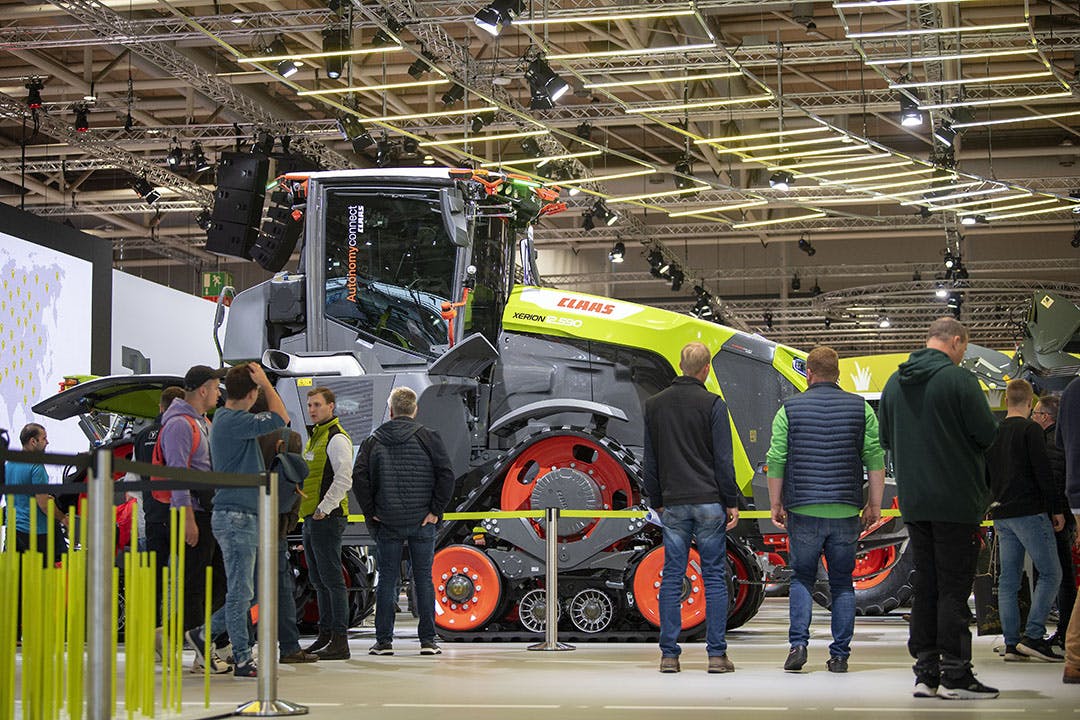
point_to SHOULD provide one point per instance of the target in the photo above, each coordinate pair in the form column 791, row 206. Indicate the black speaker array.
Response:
column 238, row 202
column 279, row 233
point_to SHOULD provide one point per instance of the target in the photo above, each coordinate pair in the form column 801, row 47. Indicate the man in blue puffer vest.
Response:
column 821, row 440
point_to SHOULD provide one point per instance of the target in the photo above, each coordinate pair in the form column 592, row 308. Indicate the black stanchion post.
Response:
column 551, row 582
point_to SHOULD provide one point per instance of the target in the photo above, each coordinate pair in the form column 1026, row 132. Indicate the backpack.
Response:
column 158, row 457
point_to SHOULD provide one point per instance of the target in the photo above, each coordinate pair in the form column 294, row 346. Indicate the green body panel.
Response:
column 547, row 311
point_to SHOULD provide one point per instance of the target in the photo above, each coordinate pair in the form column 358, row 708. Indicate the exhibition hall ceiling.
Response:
column 811, row 166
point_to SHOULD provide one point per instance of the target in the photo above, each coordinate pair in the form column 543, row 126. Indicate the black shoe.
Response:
column 430, row 648
column 796, row 658
column 1012, row 654
column 336, row 649
column 298, row 657
column 1038, row 649
column 320, row 642
column 836, row 664
column 197, row 640
column 965, row 687
column 927, row 679
column 1057, row 640
column 381, row 649
column 247, row 670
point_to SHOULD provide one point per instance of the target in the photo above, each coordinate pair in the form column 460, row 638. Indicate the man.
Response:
column 324, row 510
column 1026, row 513
column 235, row 520
column 1068, row 439
column 34, row 438
column 821, row 440
column 184, row 439
column 690, row 479
column 936, row 422
column 403, row 481
column 1045, row 414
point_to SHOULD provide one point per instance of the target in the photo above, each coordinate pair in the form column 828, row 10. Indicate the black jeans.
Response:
column 22, row 544
column 157, row 542
column 1067, row 592
column 196, row 560
column 945, row 556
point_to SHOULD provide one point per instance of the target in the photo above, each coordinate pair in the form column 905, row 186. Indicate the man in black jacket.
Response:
column 690, row 479
column 1026, row 512
column 403, row 480
column 1045, row 414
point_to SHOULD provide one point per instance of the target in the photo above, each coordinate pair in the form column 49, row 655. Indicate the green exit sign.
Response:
column 212, row 282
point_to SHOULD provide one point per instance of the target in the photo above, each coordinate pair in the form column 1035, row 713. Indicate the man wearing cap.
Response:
column 184, row 438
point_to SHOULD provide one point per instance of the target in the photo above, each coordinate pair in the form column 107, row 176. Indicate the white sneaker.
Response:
column 217, row 665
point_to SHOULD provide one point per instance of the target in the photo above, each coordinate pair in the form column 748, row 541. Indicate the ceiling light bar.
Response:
column 880, row 166
column 311, row 55
column 543, row 159
column 602, row 178
column 661, row 81
column 937, row 31
column 700, row 104
column 632, row 52
column 719, row 208
column 777, row 221
column 970, row 81
column 957, row 186
column 968, row 203
column 997, row 101
column 906, row 183
column 875, row 178
column 800, row 167
column 957, row 56
column 773, row 146
column 440, row 113
column 1013, row 206
column 889, row 3
column 663, row 193
column 374, row 88
column 758, row 136
column 1031, row 212
column 959, row 196
column 605, row 17
column 483, row 138
column 1025, row 118
column 810, row 153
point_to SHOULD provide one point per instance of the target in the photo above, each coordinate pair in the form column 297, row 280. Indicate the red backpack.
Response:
column 158, row 458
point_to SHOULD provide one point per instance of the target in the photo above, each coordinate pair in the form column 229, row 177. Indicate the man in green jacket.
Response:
column 936, row 421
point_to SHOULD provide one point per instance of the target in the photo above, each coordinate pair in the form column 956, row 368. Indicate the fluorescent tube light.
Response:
column 719, row 208
column 602, row 178
column 661, row 194
column 1023, row 118
column 875, row 178
column 966, row 203
column 758, row 136
column 374, row 88
column 1012, row 206
column 810, row 153
column 661, row 81
column 937, row 31
column 544, row 159
column 483, row 138
column 777, row 221
column 1025, row 213
column 773, row 146
column 699, row 104
column 604, row 17
column 632, row 52
column 880, row 166
column 440, row 113
column 997, row 101
column 311, row 55
column 958, row 56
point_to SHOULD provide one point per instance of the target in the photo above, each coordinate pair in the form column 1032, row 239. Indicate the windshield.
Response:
column 389, row 265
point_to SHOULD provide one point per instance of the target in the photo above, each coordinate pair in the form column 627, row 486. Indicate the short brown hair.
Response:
column 1050, row 405
column 1018, row 393
column 402, row 402
column 327, row 394
column 238, row 382
column 946, row 328
column 30, row 431
column 168, row 395
column 694, row 358
column 824, row 362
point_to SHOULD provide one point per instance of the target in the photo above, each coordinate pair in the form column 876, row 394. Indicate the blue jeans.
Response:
column 388, row 544
column 237, row 534
column 322, row 546
column 808, row 538
column 706, row 524
column 288, row 632
column 1035, row 534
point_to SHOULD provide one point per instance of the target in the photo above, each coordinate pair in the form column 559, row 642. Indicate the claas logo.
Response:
column 586, row 305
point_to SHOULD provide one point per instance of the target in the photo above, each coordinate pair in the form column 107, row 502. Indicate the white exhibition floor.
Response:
column 480, row 681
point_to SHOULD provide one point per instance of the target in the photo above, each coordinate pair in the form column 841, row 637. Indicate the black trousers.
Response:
column 1067, row 592
column 157, row 542
column 945, row 556
column 60, row 546
column 196, row 560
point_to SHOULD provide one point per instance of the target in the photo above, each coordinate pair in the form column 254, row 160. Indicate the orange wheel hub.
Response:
column 468, row 588
column 647, row 588
column 870, row 567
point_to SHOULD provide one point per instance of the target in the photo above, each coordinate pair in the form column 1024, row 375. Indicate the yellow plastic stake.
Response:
column 115, row 628
column 179, row 648
column 206, row 634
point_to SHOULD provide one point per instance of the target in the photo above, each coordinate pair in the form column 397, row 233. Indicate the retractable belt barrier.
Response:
column 99, row 488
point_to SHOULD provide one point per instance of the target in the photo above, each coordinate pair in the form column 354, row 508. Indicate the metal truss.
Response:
column 162, row 206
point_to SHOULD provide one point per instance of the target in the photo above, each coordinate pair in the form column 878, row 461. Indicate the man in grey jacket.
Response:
column 403, row 480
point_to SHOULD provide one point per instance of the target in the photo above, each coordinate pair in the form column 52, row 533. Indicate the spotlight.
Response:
column 816, row 290
column 656, row 260
column 684, row 167
column 974, row 220
column 354, row 131
column 828, row 323
column 198, row 158
column 82, row 118
column 796, row 283
column 34, row 86
column 703, row 305
column 410, row 146
column 950, row 260
column 945, row 134
column 910, row 114
column 429, row 160
column 335, row 40
column 497, row 15
column 677, row 277
column 203, row 219
column 884, row 322
column 806, row 247
column 129, row 122
column 418, row 68
column 453, row 95
column 285, row 67
column 145, row 190
column 382, row 39
column 618, row 252
column 1076, row 239
column 587, row 222
column 584, row 131
column 175, row 157
column 263, row 143
column 781, row 180
column 924, row 213
column 91, row 94
column 916, row 276
column 940, row 291
column 603, row 214
column 545, row 86
column 768, row 320
column 385, row 153
column 954, row 303
column 477, row 124
column 531, row 147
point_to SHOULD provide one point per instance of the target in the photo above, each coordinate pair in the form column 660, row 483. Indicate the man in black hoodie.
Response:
column 403, row 480
column 935, row 420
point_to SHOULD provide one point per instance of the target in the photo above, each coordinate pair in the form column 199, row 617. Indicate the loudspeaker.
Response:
column 278, row 238
column 243, row 171
column 237, row 206
column 229, row 238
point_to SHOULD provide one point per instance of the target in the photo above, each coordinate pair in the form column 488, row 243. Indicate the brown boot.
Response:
column 1071, row 676
column 320, row 642
column 336, row 649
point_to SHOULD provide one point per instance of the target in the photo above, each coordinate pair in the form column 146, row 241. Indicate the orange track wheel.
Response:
column 647, row 589
column 468, row 588
column 874, row 567
column 604, row 483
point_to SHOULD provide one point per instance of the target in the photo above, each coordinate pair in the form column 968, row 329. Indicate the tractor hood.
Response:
column 135, row 396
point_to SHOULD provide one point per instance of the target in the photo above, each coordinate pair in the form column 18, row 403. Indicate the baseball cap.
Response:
column 199, row 374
